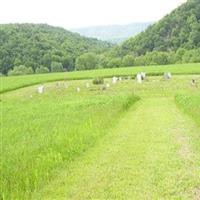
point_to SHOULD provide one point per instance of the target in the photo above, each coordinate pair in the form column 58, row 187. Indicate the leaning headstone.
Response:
column 78, row 89
column 41, row 89
column 139, row 78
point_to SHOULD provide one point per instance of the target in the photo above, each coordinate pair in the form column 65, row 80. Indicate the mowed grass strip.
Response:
column 139, row 159
column 39, row 134
column 16, row 82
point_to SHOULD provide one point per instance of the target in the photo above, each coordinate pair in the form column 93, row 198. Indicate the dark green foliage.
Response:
column 86, row 61
column 98, row 81
column 40, row 45
column 56, row 67
column 180, row 29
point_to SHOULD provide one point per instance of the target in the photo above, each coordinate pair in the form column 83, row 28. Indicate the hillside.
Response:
column 35, row 45
column 113, row 33
column 180, row 29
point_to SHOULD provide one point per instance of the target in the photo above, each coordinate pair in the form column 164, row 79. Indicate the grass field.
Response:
column 131, row 141
column 16, row 82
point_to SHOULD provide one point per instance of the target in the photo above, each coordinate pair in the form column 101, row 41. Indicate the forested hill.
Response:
column 180, row 29
column 35, row 45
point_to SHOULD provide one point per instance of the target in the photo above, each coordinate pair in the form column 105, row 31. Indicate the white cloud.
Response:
column 80, row 13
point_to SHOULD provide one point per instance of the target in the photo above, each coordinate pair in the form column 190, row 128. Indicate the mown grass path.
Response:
column 150, row 154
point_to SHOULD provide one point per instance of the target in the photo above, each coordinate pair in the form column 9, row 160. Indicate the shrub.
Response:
column 98, row 81
column 20, row 70
column 42, row 70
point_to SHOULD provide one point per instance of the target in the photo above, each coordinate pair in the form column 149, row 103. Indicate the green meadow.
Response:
column 16, row 82
column 127, row 141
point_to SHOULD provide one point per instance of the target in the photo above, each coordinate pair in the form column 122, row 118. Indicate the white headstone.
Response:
column 129, row 78
column 87, row 85
column 120, row 78
column 41, row 89
column 167, row 75
column 107, row 85
column 139, row 78
column 114, row 80
column 143, row 75
column 66, row 86
column 78, row 89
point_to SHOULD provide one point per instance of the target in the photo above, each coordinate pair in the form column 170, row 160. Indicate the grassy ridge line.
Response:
column 17, row 82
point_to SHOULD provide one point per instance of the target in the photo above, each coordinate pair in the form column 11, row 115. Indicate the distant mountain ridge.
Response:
column 113, row 33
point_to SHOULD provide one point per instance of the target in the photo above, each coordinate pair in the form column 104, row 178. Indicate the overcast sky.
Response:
column 82, row 13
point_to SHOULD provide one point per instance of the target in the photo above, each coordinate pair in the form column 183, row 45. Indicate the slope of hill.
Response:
column 180, row 29
column 113, row 33
column 36, row 45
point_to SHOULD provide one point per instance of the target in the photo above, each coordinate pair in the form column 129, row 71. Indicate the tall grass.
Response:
column 190, row 104
column 16, row 82
column 41, row 134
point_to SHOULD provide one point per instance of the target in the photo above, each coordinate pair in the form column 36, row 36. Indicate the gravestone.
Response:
column 167, row 75
column 114, row 80
column 107, row 85
column 66, row 86
column 143, row 75
column 87, row 85
column 78, row 89
column 139, row 78
column 41, row 89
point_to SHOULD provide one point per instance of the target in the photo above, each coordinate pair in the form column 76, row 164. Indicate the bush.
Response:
column 42, row 70
column 20, row 70
column 56, row 67
column 98, row 81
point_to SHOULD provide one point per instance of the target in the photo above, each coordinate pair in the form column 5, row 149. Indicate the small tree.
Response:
column 56, row 67
column 128, row 60
column 86, row 61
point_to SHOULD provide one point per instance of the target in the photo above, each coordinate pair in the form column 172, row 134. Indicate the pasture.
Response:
column 129, row 141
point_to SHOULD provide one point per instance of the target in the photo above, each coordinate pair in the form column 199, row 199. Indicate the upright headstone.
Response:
column 87, row 85
column 78, row 89
column 120, row 78
column 143, row 75
column 167, row 75
column 66, row 85
column 107, row 85
column 41, row 89
column 114, row 80
column 139, row 78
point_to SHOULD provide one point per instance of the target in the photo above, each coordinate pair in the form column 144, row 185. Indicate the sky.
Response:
column 83, row 13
